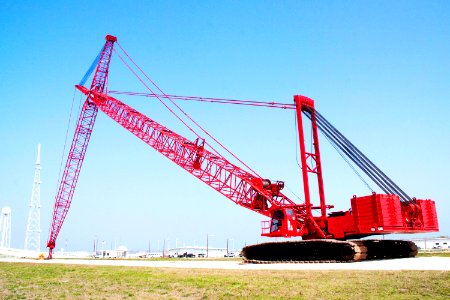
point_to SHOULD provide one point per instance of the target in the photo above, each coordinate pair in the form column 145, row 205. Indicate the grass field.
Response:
column 28, row 281
column 433, row 254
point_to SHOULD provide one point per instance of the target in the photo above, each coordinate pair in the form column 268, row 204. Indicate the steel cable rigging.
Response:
column 354, row 154
column 165, row 96
column 341, row 144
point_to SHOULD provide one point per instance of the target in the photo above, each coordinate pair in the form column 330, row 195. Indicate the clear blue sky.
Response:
column 378, row 70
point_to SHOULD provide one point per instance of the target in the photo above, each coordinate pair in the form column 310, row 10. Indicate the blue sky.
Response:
column 378, row 70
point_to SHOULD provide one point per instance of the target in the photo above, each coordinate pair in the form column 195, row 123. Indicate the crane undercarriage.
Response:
column 330, row 250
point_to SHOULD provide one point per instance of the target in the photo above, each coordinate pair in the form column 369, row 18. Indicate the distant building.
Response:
column 121, row 252
column 196, row 252
column 433, row 243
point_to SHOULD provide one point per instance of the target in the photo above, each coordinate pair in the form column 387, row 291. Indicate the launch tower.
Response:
column 33, row 234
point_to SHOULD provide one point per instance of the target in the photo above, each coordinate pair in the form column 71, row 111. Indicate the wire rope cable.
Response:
column 270, row 104
column 69, row 121
column 340, row 142
column 182, row 111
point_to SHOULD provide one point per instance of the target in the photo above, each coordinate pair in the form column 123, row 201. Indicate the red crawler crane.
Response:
column 393, row 212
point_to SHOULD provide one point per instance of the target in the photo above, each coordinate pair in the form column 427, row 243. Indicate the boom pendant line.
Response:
column 231, row 181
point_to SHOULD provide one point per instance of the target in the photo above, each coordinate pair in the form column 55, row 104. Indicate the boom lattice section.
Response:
column 79, row 145
column 231, row 181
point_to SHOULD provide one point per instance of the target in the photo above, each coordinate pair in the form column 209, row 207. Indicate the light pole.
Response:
column 207, row 243
column 176, row 247
column 164, row 247
column 103, row 249
column 228, row 252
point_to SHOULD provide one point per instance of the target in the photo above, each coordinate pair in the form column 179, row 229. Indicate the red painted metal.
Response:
column 377, row 212
column 260, row 195
column 241, row 187
column 79, row 145
column 429, row 217
column 370, row 215
column 271, row 104
column 373, row 214
column 311, row 163
column 380, row 214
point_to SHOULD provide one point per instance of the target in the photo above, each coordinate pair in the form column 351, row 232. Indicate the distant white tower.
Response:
column 33, row 234
column 5, row 228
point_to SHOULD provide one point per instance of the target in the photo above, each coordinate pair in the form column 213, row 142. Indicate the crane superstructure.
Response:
column 393, row 212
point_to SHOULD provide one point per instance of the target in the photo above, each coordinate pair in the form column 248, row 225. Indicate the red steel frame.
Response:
column 384, row 213
column 231, row 181
column 79, row 145
column 315, row 165
column 243, row 188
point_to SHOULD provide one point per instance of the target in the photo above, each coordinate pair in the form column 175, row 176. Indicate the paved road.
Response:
column 421, row 263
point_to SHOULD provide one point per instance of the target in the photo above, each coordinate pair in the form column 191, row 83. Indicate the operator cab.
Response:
column 277, row 221
column 282, row 224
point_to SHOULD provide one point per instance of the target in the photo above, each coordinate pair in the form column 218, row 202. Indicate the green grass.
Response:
column 179, row 259
column 55, row 281
column 433, row 254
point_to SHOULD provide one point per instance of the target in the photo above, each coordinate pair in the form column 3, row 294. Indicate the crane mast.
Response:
column 79, row 145
column 315, row 165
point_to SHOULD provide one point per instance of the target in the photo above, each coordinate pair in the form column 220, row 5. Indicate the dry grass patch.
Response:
column 27, row 281
column 434, row 254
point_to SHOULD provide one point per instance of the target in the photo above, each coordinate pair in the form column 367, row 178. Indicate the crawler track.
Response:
column 327, row 251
